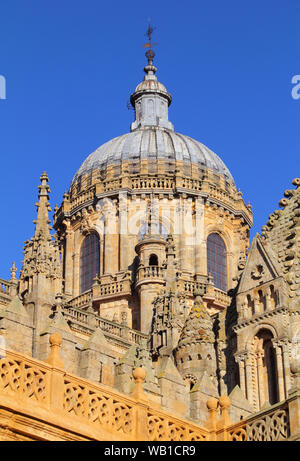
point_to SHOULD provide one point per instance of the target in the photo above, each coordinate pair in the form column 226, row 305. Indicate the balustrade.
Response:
column 4, row 287
column 45, row 391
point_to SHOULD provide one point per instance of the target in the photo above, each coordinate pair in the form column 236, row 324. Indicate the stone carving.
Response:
column 258, row 272
column 161, row 429
column 270, row 428
column 169, row 314
column 97, row 408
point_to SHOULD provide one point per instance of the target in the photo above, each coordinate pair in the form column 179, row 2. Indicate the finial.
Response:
column 139, row 375
column 54, row 356
column 224, row 402
column 150, row 54
column 13, row 271
column 44, row 177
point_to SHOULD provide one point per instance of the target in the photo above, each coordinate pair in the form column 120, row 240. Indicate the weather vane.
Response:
column 149, row 53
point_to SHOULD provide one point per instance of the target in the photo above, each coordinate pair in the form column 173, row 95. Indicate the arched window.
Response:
column 216, row 261
column 89, row 261
column 268, row 370
column 153, row 260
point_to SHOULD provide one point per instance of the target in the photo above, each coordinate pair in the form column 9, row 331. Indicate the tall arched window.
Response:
column 89, row 261
column 216, row 261
column 268, row 371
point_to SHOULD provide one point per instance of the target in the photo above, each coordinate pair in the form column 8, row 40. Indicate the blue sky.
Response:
column 70, row 66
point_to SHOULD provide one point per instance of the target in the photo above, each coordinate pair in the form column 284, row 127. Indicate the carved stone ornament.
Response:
column 258, row 272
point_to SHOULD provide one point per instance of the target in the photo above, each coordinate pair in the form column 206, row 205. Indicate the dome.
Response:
column 154, row 143
column 151, row 85
column 152, row 138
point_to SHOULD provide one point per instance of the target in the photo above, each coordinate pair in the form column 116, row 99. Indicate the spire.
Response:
column 41, row 253
column 150, row 98
column 42, row 222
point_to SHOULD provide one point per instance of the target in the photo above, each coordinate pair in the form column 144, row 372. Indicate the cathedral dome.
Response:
column 152, row 140
column 154, row 143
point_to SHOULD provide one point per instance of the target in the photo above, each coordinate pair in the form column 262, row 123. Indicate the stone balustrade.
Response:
column 209, row 292
column 51, row 404
column 75, row 314
column 4, row 287
column 112, row 289
column 60, row 406
column 151, row 273
column 152, row 182
column 82, row 198
column 81, row 300
column 89, row 321
column 221, row 297
column 5, row 292
column 271, row 425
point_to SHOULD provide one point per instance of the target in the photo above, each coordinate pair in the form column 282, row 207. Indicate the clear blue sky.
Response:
column 70, row 66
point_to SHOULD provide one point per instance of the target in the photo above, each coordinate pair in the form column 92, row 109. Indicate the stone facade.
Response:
column 150, row 268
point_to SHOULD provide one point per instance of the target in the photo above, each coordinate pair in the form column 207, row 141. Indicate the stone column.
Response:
column 123, row 231
column 260, row 378
column 101, row 255
column 286, row 367
column 256, row 303
column 241, row 364
column 268, row 299
column 188, row 236
column 110, row 239
column 76, row 272
column 200, row 244
column 280, row 378
column 248, row 367
column 68, row 272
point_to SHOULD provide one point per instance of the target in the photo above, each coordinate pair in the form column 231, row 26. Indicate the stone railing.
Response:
column 152, row 182
column 5, row 292
column 82, row 197
column 87, row 322
column 113, row 184
column 162, row 428
column 4, row 287
column 271, row 425
column 112, row 289
column 150, row 272
column 102, row 291
column 48, row 403
column 75, row 314
column 189, row 286
column 209, row 292
column 81, row 300
column 41, row 401
column 188, row 183
column 122, row 331
column 221, row 297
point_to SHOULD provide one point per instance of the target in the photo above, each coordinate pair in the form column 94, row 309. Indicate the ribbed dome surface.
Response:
column 153, row 143
column 151, row 85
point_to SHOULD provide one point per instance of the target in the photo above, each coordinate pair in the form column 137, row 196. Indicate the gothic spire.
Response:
column 41, row 253
column 42, row 223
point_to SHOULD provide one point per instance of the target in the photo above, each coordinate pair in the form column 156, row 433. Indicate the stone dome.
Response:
column 152, row 138
column 154, row 143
